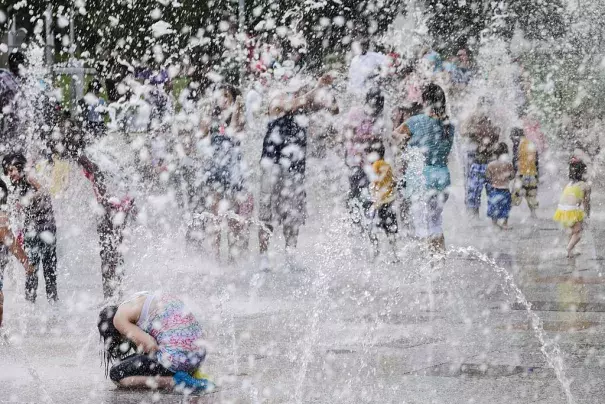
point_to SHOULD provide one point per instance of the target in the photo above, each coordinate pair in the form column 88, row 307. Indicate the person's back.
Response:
column 434, row 139
column 175, row 329
column 500, row 173
column 527, row 161
column 286, row 142
column 39, row 216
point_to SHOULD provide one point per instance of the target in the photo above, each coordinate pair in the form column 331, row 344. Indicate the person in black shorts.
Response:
column 283, row 165
column 40, row 229
column 383, row 194
column 224, row 185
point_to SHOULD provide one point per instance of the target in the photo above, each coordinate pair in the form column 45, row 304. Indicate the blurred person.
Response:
column 162, row 104
column 225, row 188
column 485, row 138
column 526, row 165
column 9, row 87
column 12, row 101
column 157, row 343
column 39, row 227
column 398, row 117
column 94, row 110
column 365, row 67
column 428, row 138
column 283, row 165
column 17, row 64
column 574, row 204
column 112, row 183
column 364, row 128
column 383, row 194
column 9, row 243
column 499, row 174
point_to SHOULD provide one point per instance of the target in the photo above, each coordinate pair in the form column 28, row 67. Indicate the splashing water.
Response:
column 550, row 349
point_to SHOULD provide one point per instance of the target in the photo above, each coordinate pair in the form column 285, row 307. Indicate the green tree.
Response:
column 456, row 23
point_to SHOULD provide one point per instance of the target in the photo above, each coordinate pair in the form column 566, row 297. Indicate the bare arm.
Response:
column 402, row 135
column 237, row 120
column 13, row 245
column 205, row 127
column 284, row 106
column 587, row 201
column 34, row 182
column 125, row 322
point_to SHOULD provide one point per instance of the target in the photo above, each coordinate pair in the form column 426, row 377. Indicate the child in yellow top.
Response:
column 382, row 192
column 574, row 205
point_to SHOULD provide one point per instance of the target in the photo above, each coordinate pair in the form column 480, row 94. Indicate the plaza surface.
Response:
column 337, row 328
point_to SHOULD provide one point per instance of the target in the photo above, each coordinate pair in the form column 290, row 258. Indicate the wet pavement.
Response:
column 336, row 328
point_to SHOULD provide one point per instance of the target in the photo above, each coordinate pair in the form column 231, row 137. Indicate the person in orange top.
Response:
column 525, row 161
column 383, row 194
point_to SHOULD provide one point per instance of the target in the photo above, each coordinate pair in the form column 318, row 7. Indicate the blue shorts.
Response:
column 474, row 186
column 499, row 202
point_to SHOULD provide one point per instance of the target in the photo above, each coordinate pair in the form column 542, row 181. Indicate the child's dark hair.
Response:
column 376, row 147
column 116, row 346
column 233, row 92
column 433, row 97
column 3, row 193
column 516, row 133
column 577, row 170
column 15, row 159
column 501, row 149
column 375, row 99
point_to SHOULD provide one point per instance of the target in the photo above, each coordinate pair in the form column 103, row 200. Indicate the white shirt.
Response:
column 364, row 66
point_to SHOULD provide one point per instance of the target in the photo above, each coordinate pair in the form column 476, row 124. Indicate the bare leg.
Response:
column 263, row 237
column 237, row 238
column 574, row 239
column 374, row 242
column 215, row 228
column 291, row 235
column 495, row 222
column 393, row 244
column 1, row 306
column 147, row 382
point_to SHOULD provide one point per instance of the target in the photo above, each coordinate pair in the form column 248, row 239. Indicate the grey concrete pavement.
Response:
column 344, row 329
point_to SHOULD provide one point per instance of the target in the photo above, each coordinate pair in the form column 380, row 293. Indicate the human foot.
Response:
column 186, row 383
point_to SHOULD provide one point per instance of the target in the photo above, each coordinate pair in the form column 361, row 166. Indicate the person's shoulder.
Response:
column 414, row 120
column 4, row 221
column 493, row 165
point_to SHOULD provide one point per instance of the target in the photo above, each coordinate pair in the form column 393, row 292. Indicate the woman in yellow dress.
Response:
column 574, row 204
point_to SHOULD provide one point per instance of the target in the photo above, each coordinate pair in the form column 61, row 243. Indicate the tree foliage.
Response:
column 125, row 28
column 456, row 23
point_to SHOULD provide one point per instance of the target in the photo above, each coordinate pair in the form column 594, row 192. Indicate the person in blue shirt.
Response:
column 94, row 111
column 427, row 139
